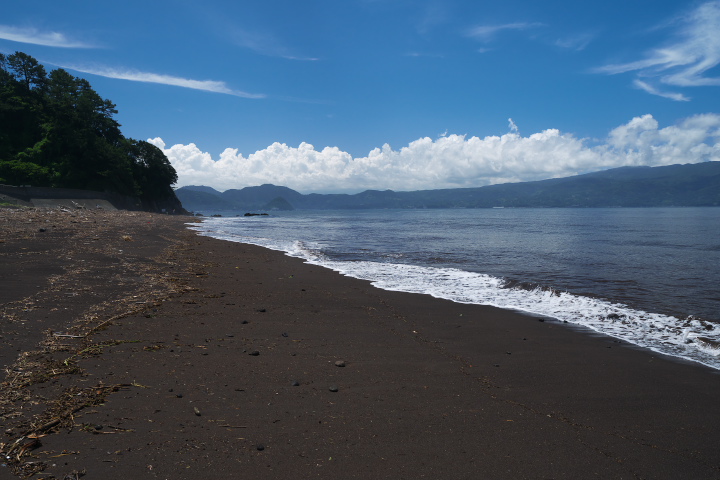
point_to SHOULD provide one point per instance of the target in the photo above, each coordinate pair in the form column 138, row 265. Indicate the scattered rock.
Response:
column 261, row 310
column 179, row 395
column 541, row 319
column 260, row 447
column 197, row 411
column 340, row 363
column 333, row 388
column 284, row 334
column 42, row 230
column 254, row 353
column 295, row 383
column 245, row 322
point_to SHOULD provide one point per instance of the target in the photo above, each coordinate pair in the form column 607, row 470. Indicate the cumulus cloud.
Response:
column 451, row 161
column 147, row 77
column 36, row 37
column 683, row 62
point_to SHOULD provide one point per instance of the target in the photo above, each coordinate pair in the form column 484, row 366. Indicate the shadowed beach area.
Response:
column 134, row 348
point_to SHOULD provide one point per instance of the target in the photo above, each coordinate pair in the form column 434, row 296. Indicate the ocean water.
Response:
column 650, row 277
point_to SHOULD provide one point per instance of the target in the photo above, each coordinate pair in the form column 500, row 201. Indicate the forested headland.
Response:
column 56, row 131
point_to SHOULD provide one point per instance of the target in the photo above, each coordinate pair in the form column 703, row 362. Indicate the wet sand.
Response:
column 134, row 348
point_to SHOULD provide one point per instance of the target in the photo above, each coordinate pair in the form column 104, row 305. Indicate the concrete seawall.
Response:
column 63, row 197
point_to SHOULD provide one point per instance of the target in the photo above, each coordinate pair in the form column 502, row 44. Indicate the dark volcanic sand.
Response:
column 172, row 388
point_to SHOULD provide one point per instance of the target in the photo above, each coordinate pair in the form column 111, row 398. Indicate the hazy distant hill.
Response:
column 203, row 199
column 674, row 185
column 202, row 188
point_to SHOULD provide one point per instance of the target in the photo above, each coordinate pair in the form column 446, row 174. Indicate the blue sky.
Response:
column 354, row 94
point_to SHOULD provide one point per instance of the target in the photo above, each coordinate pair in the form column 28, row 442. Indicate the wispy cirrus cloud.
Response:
column 682, row 62
column 575, row 42
column 265, row 44
column 147, row 77
column 37, row 37
column 488, row 32
column 678, row 97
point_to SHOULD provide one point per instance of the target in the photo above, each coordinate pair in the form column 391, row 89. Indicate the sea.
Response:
column 647, row 276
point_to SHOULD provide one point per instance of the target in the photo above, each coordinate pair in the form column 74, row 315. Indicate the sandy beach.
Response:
column 134, row 348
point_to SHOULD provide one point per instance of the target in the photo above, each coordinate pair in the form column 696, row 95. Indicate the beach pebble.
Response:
column 340, row 363
column 333, row 388
column 284, row 334
column 254, row 353
column 541, row 319
column 260, row 447
column 261, row 310
column 244, row 322
column 197, row 411
column 295, row 383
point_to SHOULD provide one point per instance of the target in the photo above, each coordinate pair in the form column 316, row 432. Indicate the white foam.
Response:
column 689, row 338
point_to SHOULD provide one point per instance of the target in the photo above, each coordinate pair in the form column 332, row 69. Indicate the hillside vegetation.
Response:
column 56, row 131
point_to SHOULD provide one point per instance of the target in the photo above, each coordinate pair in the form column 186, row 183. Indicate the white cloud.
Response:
column 685, row 61
column 678, row 97
column 451, row 161
column 576, row 42
column 135, row 76
column 35, row 37
column 487, row 32
column 265, row 44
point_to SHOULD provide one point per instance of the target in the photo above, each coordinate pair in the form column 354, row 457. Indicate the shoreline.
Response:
column 198, row 377
column 645, row 324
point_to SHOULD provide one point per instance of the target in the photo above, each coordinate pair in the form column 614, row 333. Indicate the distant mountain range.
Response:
column 675, row 185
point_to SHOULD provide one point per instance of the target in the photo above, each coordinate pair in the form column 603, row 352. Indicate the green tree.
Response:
column 22, row 82
column 28, row 71
column 55, row 130
column 152, row 170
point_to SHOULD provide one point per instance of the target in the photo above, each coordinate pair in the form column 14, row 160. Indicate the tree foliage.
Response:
column 56, row 131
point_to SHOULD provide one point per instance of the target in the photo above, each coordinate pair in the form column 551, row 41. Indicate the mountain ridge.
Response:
column 672, row 185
